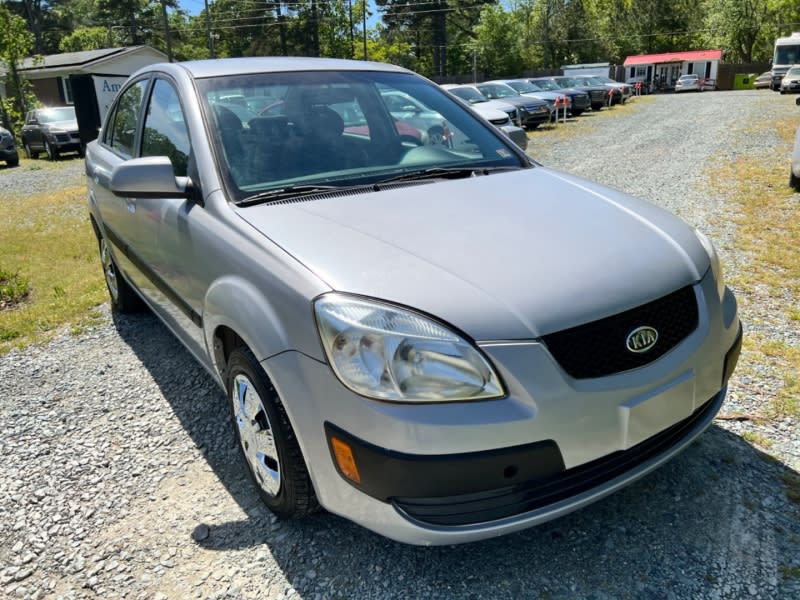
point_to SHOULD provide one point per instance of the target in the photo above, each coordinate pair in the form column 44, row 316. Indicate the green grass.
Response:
column 768, row 233
column 757, row 439
column 48, row 240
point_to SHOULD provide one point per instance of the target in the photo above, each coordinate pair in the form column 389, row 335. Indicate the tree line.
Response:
column 433, row 37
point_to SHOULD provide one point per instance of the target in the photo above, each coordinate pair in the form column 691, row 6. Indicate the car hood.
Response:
column 69, row 125
column 501, row 257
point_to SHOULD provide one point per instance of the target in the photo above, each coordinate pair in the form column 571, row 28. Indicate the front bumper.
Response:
column 549, row 426
column 9, row 153
column 65, row 142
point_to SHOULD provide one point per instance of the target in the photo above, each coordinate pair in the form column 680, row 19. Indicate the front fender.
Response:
column 236, row 303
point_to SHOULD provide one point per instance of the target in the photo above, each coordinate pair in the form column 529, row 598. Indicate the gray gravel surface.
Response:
column 120, row 478
column 41, row 176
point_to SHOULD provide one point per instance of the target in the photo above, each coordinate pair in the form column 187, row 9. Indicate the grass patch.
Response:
column 790, row 571
column 756, row 438
column 48, row 237
column 13, row 289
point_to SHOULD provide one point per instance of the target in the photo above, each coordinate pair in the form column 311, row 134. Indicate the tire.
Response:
column 52, row 153
column 794, row 181
column 266, row 439
column 82, row 151
column 123, row 298
column 577, row 113
column 28, row 152
column 13, row 162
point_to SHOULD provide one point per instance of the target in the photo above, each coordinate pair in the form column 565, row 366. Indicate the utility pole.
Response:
column 166, row 29
column 364, row 26
column 208, row 30
column 350, row 17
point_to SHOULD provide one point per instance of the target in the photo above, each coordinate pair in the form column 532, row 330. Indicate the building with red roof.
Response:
column 662, row 70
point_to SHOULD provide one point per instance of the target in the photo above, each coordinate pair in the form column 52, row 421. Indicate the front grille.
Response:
column 483, row 507
column 62, row 137
column 599, row 348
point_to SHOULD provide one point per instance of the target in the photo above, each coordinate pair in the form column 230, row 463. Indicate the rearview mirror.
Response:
column 148, row 177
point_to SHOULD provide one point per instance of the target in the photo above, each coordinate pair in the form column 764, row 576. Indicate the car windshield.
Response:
column 468, row 94
column 524, row 87
column 52, row 115
column 497, row 90
column 338, row 129
column 547, row 84
column 793, row 71
column 786, row 55
column 569, row 82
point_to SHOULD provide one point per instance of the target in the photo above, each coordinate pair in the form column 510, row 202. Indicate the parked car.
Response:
column 8, row 148
column 598, row 94
column 791, row 81
column 794, row 169
column 52, row 131
column 763, row 81
column 532, row 112
column 688, row 83
column 625, row 88
column 471, row 95
column 523, row 87
column 587, row 83
column 437, row 343
column 578, row 99
column 501, row 115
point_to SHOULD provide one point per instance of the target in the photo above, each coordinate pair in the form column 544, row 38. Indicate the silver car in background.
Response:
column 441, row 343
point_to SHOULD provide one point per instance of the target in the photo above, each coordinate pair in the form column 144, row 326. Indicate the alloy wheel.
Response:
column 256, row 435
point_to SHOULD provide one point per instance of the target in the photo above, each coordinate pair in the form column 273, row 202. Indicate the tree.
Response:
column 84, row 38
column 15, row 44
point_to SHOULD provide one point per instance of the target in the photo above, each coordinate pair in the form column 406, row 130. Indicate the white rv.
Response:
column 787, row 53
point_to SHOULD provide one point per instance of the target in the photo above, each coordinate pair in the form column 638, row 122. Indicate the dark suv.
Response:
column 8, row 149
column 52, row 131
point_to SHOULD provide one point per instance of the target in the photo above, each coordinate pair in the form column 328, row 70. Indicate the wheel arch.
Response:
column 237, row 313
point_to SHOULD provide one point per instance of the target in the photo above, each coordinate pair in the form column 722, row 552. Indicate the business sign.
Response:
column 106, row 88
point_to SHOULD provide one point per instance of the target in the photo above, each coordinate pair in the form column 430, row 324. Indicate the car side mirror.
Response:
column 148, row 177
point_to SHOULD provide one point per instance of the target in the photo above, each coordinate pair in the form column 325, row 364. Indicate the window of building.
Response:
column 66, row 88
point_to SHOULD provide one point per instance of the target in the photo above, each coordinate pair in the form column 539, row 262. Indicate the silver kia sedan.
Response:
column 442, row 343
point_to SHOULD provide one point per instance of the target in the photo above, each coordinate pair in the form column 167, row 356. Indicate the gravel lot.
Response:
column 120, row 479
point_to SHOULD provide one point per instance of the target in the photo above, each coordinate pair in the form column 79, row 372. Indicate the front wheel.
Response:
column 52, row 153
column 794, row 180
column 266, row 439
column 12, row 162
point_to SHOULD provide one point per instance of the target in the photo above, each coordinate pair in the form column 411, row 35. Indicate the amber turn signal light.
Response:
column 345, row 459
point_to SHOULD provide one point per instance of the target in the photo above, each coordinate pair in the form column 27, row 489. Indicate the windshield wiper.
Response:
column 291, row 191
column 444, row 173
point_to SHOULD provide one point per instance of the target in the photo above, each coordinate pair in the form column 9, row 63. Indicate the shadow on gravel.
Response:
column 714, row 522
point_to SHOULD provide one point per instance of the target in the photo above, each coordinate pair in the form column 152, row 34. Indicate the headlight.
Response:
column 391, row 353
column 716, row 266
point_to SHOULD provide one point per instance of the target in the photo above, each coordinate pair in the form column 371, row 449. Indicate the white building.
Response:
column 662, row 70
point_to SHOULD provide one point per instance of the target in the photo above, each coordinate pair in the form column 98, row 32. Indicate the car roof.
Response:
column 243, row 66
